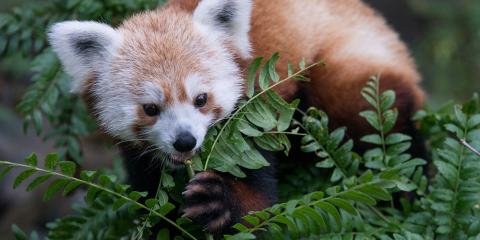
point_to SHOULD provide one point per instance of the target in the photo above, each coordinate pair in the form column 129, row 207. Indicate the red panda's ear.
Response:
column 231, row 17
column 83, row 48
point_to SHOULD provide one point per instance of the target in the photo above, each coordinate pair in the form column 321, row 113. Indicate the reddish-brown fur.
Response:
column 251, row 199
column 316, row 36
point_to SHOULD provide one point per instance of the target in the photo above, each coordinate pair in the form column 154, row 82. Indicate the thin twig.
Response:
column 470, row 147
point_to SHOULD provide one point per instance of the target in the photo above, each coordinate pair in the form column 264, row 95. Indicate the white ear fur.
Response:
column 231, row 17
column 83, row 48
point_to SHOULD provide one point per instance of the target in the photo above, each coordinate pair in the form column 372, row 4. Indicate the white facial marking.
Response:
column 151, row 93
column 195, row 85
column 176, row 119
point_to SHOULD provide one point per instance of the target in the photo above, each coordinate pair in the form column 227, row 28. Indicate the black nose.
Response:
column 185, row 142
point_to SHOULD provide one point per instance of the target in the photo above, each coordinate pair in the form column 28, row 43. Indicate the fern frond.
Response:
column 330, row 147
column 455, row 192
column 231, row 145
column 391, row 150
column 315, row 213
column 97, row 184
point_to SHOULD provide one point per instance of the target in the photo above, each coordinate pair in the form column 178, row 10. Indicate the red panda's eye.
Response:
column 201, row 100
column 151, row 110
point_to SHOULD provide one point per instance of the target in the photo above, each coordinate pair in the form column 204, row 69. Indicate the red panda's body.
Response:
column 166, row 75
column 352, row 39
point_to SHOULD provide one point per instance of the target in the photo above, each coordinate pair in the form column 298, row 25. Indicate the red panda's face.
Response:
column 162, row 78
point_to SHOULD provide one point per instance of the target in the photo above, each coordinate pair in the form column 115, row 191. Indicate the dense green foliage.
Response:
column 346, row 195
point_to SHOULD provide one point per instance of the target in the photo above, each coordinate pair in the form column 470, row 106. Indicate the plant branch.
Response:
column 104, row 189
column 470, row 147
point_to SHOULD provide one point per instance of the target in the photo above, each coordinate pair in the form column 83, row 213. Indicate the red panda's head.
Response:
column 163, row 76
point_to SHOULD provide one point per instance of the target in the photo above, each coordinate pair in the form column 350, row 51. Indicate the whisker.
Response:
column 149, row 149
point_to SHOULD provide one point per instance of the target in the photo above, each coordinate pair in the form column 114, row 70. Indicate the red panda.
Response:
column 163, row 77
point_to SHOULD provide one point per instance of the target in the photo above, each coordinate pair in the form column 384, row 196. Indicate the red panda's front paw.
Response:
column 208, row 201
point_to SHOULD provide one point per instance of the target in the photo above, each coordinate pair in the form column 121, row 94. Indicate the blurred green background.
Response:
column 444, row 36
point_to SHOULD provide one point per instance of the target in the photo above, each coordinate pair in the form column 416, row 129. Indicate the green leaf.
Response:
column 68, row 168
column 373, row 139
column 366, row 177
column 290, row 69
column 397, row 149
column 376, row 192
column 474, row 121
column 23, row 176
column 359, row 197
column 330, row 209
column 273, row 142
column 291, row 205
column 5, row 171
column 311, row 147
column 252, row 220
column 165, row 209
column 239, row 236
column 446, row 169
column 162, row 198
column 271, row 67
column 18, row 233
column 263, row 80
column 252, row 74
column 390, row 120
column 302, row 64
column 32, row 160
column 106, row 179
column 289, row 223
column 92, row 194
column 37, row 182
column 245, row 128
column 167, row 180
column 261, row 115
column 343, row 204
column 70, row 187
column 54, row 187
column 454, row 129
column 51, row 161
column 369, row 97
column 407, row 187
column 163, row 234
column 137, row 195
column 387, row 100
column 397, row 138
column 372, row 119
column 460, row 116
column 87, row 175
column 119, row 203
column 325, row 164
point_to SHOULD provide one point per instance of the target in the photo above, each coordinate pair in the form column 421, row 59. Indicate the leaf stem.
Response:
column 381, row 119
column 190, row 170
column 287, row 133
column 470, row 147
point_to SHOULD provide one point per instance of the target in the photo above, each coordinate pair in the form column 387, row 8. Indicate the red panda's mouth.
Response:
column 180, row 158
